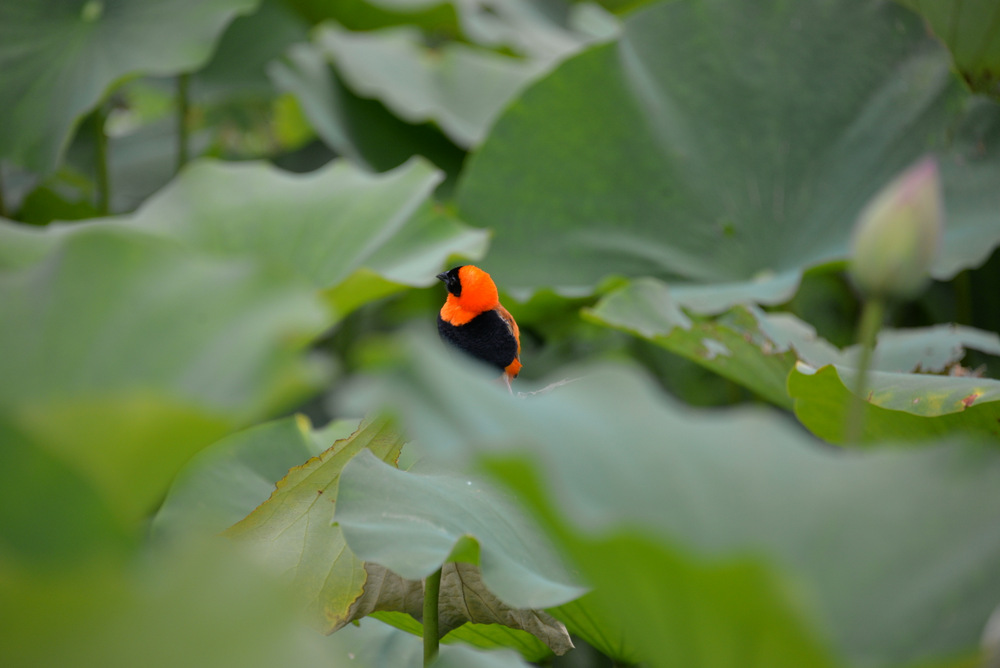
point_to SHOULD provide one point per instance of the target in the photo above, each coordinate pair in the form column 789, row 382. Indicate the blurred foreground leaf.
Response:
column 87, row 372
column 51, row 516
column 198, row 606
column 729, row 516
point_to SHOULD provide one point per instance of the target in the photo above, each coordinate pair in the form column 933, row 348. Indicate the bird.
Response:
column 473, row 320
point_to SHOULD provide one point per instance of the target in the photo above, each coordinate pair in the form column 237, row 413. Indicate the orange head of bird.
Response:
column 471, row 291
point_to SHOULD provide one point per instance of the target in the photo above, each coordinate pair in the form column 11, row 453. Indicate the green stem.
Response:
column 432, row 593
column 963, row 297
column 183, row 110
column 3, row 206
column 872, row 314
column 101, row 160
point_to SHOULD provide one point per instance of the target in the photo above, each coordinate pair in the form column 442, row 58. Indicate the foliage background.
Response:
column 221, row 222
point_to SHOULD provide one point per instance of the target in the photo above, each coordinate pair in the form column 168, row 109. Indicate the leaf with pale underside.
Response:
column 463, row 599
column 413, row 522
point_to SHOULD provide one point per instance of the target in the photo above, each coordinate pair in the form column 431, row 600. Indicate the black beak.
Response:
column 443, row 276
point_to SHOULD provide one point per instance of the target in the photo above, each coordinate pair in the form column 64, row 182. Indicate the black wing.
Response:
column 486, row 337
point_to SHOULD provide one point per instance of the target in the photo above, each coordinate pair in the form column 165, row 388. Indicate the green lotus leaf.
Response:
column 467, row 657
column 357, row 128
column 293, row 530
column 758, row 350
column 220, row 610
column 460, row 87
column 223, row 483
column 732, row 516
column 585, row 619
column 411, row 523
column 372, row 644
column 969, row 31
column 88, row 374
column 60, row 58
column 705, row 150
column 483, row 636
column 464, row 600
column 732, row 345
column 337, row 226
column 78, row 523
column 900, row 406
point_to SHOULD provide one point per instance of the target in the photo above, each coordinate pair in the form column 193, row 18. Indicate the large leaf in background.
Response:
column 539, row 30
column 899, row 406
column 462, row 88
column 372, row 14
column 413, row 523
column 293, row 530
column 705, row 148
column 353, row 234
column 969, row 29
column 729, row 516
column 89, row 374
column 59, row 59
column 362, row 130
column 545, row 31
column 758, row 350
column 238, row 67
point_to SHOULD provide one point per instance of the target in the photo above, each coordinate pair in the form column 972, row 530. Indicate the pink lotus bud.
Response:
column 898, row 234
